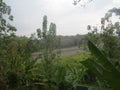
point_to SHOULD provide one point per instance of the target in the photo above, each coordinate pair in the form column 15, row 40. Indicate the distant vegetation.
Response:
column 70, row 41
column 65, row 42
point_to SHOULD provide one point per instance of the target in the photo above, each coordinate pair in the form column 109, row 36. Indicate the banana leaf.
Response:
column 103, row 67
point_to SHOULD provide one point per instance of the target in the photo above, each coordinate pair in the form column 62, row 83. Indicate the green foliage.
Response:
column 18, row 63
column 5, row 28
column 60, row 41
column 74, row 59
column 7, row 47
column 48, row 40
column 14, row 53
column 103, row 67
column 70, row 41
column 59, row 77
column 75, row 72
column 12, row 79
column 68, row 72
column 106, row 36
column 83, row 87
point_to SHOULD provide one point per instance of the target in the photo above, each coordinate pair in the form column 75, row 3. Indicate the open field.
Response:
column 74, row 59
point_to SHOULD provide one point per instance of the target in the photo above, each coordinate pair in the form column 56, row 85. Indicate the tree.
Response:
column 48, row 42
column 117, row 24
column 115, row 10
column 15, row 59
column 106, row 36
column 6, row 29
column 6, row 36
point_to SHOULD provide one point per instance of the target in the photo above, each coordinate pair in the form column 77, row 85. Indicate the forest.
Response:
column 97, row 68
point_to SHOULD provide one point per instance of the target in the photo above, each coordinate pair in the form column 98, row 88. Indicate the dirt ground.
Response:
column 65, row 52
column 71, row 51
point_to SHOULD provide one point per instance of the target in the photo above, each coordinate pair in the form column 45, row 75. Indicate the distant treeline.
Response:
column 70, row 41
column 64, row 41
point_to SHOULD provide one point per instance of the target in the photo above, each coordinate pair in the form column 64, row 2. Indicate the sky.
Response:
column 70, row 19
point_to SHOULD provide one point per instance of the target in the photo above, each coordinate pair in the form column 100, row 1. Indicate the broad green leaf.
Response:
column 102, row 59
column 103, row 68
column 91, row 67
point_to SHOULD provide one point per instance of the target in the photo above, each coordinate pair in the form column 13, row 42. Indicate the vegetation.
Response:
column 104, row 69
column 70, row 41
column 64, row 42
column 92, row 70
column 106, row 37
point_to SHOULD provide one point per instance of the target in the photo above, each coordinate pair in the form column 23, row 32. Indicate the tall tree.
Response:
column 48, row 41
column 6, row 36
column 107, row 36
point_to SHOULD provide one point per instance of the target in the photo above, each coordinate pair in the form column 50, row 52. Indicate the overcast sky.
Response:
column 70, row 19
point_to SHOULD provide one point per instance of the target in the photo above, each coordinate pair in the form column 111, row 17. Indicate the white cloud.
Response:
column 116, row 2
